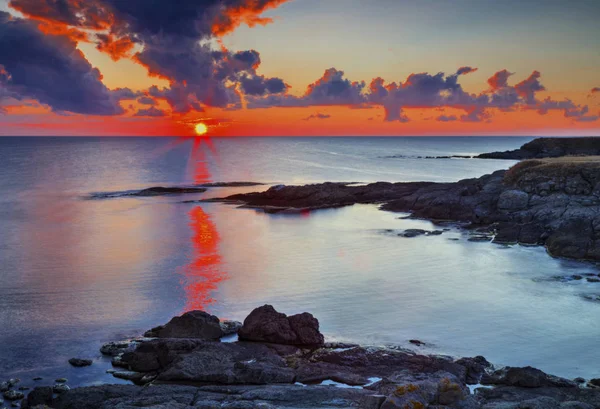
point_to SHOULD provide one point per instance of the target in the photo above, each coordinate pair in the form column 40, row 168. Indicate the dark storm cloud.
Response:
column 169, row 36
column 259, row 85
column 51, row 70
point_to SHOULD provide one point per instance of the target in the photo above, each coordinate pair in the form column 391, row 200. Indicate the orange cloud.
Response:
column 248, row 12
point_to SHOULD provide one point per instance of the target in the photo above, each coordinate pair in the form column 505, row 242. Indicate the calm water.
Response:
column 77, row 272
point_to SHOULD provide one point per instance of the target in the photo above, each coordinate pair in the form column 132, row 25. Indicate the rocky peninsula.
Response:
column 550, row 148
column 282, row 361
column 553, row 202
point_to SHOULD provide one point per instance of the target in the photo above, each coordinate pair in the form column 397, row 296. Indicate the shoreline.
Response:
column 283, row 361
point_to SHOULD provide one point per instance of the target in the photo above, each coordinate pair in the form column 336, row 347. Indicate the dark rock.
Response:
column 594, row 382
column 593, row 280
column 526, row 377
column 13, row 381
column 116, row 348
column 77, row 362
column 4, row 386
column 476, row 368
column 192, row 324
column 413, row 233
column 265, row 324
column 60, row 388
column 416, row 342
column 507, row 233
column 161, row 191
column 118, row 362
column 39, row 396
column 579, row 380
column 549, row 148
column 511, row 200
column 61, row 380
column 38, row 378
column 13, row 395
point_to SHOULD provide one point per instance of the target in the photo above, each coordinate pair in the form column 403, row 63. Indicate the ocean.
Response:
column 76, row 272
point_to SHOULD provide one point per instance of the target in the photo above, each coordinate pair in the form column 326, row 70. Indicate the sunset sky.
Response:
column 299, row 67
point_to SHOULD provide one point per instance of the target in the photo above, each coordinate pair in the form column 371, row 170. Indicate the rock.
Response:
column 593, row 280
column 60, row 388
column 13, row 395
column 116, row 348
column 192, row 324
column 511, row 200
column 549, row 148
column 118, row 362
column 23, row 388
column 413, row 233
column 61, row 380
column 526, row 377
column 475, row 367
column 579, row 380
column 230, row 327
column 594, row 383
column 135, row 377
column 265, row 324
column 39, row 396
column 77, row 362
column 38, row 378
column 4, row 386
column 417, row 342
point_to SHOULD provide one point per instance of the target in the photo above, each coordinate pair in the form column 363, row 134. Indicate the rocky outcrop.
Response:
column 265, row 324
column 553, row 202
column 192, row 324
column 550, row 148
column 190, row 373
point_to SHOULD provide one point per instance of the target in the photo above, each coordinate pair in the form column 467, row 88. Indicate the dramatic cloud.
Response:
column 169, row 38
column 152, row 111
column 317, row 116
column 465, row 70
column 595, row 90
column 52, row 71
column 444, row 118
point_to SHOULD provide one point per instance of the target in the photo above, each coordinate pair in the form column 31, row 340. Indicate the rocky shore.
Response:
column 551, row 202
column 550, row 148
column 282, row 361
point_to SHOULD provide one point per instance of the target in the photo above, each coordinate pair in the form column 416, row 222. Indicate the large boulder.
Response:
column 192, row 324
column 526, row 377
column 511, row 200
column 265, row 324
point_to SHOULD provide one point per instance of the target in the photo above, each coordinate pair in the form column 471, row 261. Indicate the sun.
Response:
column 201, row 128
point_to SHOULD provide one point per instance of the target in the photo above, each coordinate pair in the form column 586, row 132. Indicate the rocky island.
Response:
column 282, row 361
column 550, row 148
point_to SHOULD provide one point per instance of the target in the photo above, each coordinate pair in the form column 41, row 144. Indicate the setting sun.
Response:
column 201, row 128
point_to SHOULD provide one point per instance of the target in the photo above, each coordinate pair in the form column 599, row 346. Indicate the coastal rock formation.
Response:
column 192, row 324
column 550, row 148
column 555, row 202
column 264, row 324
column 190, row 373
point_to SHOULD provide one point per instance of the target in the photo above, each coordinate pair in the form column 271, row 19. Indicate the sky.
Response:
column 299, row 67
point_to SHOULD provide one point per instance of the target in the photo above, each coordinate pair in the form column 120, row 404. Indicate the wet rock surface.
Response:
column 199, row 373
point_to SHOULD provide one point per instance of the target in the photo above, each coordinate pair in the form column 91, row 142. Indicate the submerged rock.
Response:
column 13, row 395
column 116, row 348
column 78, row 362
column 265, row 324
